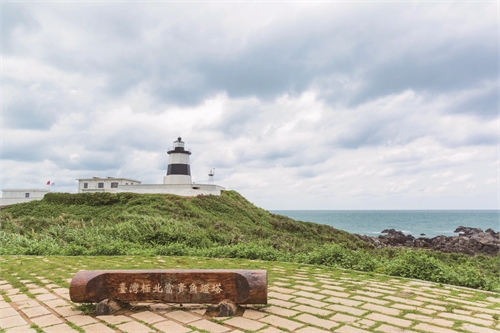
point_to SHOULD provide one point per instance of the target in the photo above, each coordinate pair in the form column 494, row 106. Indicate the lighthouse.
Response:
column 179, row 171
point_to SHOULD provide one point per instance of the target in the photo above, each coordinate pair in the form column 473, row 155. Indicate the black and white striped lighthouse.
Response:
column 179, row 171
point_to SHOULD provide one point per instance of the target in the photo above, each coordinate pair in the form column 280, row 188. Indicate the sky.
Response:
column 297, row 105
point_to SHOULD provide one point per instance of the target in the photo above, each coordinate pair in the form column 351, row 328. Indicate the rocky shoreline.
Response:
column 469, row 241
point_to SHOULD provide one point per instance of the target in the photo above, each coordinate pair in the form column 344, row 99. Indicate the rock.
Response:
column 226, row 308
column 110, row 306
column 470, row 241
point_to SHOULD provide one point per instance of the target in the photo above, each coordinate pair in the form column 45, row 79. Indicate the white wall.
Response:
column 178, row 189
column 93, row 184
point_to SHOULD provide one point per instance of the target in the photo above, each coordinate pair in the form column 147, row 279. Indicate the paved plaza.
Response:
column 307, row 301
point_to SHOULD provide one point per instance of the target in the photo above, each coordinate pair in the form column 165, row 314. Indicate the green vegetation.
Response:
column 226, row 226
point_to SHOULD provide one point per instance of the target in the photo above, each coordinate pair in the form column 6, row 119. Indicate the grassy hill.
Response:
column 213, row 226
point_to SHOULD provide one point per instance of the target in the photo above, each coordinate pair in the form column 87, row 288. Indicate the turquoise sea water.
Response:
column 415, row 222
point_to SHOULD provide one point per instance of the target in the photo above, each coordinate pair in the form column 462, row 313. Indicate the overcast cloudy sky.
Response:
column 382, row 105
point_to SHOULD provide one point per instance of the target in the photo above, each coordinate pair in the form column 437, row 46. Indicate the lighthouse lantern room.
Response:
column 179, row 171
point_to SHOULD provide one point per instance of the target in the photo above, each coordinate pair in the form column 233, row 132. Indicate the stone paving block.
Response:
column 182, row 316
column 307, row 283
column 253, row 314
column 381, row 290
column 134, row 327
column 477, row 329
column 430, row 320
column 12, row 321
column 332, row 287
column 271, row 329
column 348, row 302
column 458, row 300
column 81, row 320
column 483, row 316
column 8, row 312
column 21, row 329
column 39, row 291
column 13, row 291
column 284, row 297
column 391, row 329
column 382, row 309
column 311, row 330
column 245, row 323
column 306, row 288
column 490, row 311
column 350, row 329
column 346, row 309
column 281, row 284
column 432, row 329
column 61, row 328
column 47, row 320
column 389, row 319
column 334, row 293
column 283, row 304
column 313, row 310
column 466, row 318
column 364, row 323
column 370, row 300
column 54, row 303
column 311, row 302
column 282, row 290
column 115, row 319
column 343, row 318
column 280, row 311
column 369, row 293
column 61, row 291
column 35, row 311
column 413, row 308
column 97, row 328
column 67, row 311
column 66, row 296
column 148, row 317
column 281, row 322
column 18, row 298
column 430, row 300
column 462, row 312
column 4, row 304
column 309, row 295
column 436, row 307
column 312, row 320
column 491, row 299
column 169, row 326
column 29, row 303
column 46, row 297
column 209, row 326
column 403, row 300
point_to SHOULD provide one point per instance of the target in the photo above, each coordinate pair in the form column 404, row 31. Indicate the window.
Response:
column 26, row 195
column 114, row 185
column 100, row 185
column 85, row 185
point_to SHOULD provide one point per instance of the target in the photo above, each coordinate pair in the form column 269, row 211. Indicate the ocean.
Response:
column 412, row 222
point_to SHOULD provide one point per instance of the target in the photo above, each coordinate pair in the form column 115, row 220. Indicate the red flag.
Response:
column 48, row 183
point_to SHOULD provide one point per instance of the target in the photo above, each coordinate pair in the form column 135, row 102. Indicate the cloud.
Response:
column 302, row 105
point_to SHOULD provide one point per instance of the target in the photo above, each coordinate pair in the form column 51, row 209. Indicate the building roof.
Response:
column 110, row 178
column 25, row 190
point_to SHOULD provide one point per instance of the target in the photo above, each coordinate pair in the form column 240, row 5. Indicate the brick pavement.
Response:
column 304, row 300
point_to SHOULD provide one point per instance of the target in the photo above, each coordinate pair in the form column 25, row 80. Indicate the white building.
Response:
column 109, row 184
column 177, row 180
column 10, row 197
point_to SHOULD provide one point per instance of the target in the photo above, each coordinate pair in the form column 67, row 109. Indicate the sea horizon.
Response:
column 416, row 222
